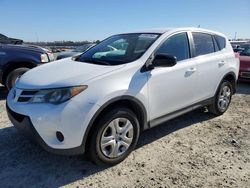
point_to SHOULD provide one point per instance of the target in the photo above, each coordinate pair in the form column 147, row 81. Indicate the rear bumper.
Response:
column 23, row 124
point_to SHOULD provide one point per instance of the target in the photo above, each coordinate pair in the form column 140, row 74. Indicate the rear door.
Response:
column 210, row 61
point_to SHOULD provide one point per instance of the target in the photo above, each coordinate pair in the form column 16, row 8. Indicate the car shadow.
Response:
column 3, row 92
column 243, row 88
column 24, row 163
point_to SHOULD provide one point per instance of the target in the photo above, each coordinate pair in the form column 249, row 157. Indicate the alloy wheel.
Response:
column 224, row 98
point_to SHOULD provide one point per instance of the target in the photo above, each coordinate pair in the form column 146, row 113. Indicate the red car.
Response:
column 244, row 74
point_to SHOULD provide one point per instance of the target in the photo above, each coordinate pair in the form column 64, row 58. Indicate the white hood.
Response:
column 62, row 73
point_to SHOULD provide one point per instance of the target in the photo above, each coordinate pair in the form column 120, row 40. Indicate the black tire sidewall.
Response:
column 94, row 147
column 223, row 84
column 13, row 75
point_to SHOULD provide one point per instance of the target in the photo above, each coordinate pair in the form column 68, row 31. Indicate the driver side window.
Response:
column 176, row 45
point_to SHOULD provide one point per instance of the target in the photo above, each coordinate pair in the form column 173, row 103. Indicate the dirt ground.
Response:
column 194, row 150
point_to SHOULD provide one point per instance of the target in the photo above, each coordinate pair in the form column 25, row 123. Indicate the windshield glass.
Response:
column 4, row 39
column 246, row 50
column 119, row 49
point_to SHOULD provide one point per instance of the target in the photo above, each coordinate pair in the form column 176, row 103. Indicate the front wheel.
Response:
column 13, row 76
column 222, row 98
column 114, row 137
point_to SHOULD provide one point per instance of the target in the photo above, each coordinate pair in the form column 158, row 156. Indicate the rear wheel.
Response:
column 114, row 137
column 13, row 76
column 222, row 98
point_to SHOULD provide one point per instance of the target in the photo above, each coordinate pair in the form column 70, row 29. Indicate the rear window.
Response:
column 203, row 43
column 221, row 41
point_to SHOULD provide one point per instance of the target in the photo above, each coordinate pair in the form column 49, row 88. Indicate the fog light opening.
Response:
column 59, row 136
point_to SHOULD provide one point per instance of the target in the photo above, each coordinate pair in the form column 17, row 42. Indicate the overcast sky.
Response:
column 46, row 20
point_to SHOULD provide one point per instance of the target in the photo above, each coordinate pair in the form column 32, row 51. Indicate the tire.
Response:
column 13, row 76
column 222, row 96
column 106, row 128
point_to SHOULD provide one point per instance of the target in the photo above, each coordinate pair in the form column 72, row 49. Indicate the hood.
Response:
column 26, row 48
column 62, row 73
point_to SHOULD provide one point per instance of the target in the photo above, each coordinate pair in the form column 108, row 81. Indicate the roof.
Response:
column 165, row 30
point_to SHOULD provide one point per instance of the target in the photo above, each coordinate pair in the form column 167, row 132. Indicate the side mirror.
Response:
column 164, row 60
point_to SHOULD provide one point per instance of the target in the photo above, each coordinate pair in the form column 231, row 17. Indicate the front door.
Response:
column 172, row 88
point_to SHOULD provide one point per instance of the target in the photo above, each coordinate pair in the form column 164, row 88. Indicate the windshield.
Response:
column 4, row 39
column 246, row 50
column 119, row 49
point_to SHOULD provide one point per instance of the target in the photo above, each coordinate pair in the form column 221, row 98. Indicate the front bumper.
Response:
column 23, row 124
column 43, row 121
column 244, row 76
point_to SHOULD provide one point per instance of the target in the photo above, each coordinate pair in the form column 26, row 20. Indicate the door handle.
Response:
column 190, row 71
column 221, row 63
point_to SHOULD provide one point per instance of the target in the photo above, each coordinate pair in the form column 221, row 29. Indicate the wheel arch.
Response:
column 130, row 102
column 231, row 77
column 12, row 65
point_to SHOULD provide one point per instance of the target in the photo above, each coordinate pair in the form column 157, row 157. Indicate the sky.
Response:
column 77, row 20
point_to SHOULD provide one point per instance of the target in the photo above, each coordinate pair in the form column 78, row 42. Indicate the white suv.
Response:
column 100, row 101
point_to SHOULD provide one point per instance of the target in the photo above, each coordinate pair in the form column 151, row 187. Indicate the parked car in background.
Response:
column 244, row 74
column 17, row 59
column 238, row 49
column 237, row 45
column 7, row 40
column 99, row 103
column 74, row 52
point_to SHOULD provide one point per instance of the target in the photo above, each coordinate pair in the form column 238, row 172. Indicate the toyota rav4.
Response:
column 100, row 101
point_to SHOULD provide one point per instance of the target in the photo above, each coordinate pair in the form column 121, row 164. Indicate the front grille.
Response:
column 16, row 116
column 245, row 74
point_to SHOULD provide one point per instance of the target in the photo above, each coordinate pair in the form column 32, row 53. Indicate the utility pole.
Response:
column 235, row 35
column 37, row 38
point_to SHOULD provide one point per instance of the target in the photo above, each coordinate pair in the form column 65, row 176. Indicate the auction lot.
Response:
column 194, row 150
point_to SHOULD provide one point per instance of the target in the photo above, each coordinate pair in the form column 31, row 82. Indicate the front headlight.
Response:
column 57, row 96
column 44, row 58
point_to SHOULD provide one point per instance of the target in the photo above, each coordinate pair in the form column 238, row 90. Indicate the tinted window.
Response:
column 203, row 43
column 177, row 46
column 221, row 41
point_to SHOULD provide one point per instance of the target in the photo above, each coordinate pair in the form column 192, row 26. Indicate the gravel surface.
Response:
column 194, row 150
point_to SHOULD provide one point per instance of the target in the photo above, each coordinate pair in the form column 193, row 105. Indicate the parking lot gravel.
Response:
column 194, row 150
